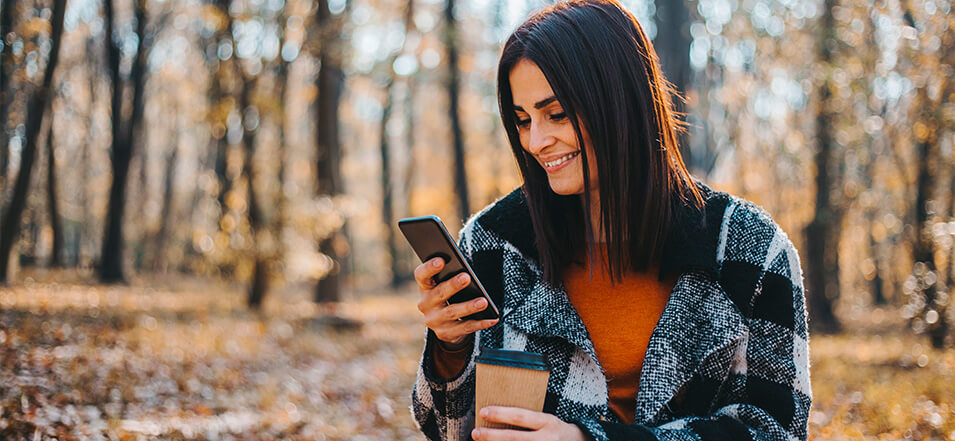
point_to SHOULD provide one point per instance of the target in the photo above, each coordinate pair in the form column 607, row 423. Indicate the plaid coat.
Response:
column 729, row 358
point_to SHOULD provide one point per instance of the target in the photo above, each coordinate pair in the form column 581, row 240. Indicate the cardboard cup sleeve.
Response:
column 509, row 378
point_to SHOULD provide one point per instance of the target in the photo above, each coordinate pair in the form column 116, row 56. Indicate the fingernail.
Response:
column 463, row 278
column 480, row 302
column 476, row 433
column 435, row 262
column 483, row 413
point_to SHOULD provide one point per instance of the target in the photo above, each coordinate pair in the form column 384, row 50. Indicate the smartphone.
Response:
column 429, row 239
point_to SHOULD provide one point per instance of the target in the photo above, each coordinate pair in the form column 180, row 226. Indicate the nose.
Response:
column 540, row 138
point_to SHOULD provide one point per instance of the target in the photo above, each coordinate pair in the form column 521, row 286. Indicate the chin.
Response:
column 566, row 190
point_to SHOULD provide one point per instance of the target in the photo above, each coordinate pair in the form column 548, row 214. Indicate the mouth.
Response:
column 561, row 159
column 557, row 164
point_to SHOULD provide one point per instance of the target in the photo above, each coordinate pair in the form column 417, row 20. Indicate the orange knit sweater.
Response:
column 619, row 318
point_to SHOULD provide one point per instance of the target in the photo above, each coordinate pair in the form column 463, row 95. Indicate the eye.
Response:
column 558, row 116
column 523, row 122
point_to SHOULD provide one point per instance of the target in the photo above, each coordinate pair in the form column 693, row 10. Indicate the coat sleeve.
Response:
column 768, row 391
column 444, row 408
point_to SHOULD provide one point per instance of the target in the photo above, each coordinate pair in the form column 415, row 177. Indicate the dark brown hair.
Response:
column 606, row 76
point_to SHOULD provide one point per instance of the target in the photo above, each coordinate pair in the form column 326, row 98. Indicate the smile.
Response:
column 561, row 160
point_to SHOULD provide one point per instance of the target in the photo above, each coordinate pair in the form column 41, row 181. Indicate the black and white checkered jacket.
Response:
column 728, row 360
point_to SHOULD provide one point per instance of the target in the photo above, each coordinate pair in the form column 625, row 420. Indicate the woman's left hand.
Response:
column 543, row 426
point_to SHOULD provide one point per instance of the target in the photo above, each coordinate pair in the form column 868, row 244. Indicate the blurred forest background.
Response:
column 197, row 238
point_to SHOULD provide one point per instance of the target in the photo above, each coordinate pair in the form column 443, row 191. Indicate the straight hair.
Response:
column 605, row 74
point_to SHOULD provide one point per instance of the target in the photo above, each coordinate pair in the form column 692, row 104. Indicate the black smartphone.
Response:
column 429, row 239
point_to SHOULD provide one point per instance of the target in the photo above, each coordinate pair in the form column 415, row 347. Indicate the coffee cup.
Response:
column 509, row 378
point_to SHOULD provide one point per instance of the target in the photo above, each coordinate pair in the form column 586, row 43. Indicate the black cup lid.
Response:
column 518, row 359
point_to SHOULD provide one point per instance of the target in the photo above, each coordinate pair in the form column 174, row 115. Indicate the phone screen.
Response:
column 429, row 239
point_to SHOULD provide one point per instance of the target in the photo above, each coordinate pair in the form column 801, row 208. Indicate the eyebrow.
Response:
column 539, row 104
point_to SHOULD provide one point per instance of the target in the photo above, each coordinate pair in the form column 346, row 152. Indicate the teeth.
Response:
column 560, row 160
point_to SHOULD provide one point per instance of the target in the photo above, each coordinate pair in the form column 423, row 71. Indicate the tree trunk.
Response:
column 139, row 239
column 136, row 131
column 934, row 312
column 222, row 96
column 219, row 105
column 135, row 128
column 876, row 148
column 329, row 182
column 875, row 253
column 410, row 122
column 85, row 254
column 387, row 204
column 387, row 190
column 260, row 283
column 111, row 270
column 6, row 95
column 82, row 250
column 166, row 218
column 260, row 274
column 950, row 278
column 10, row 224
column 56, row 255
column 281, row 200
column 406, row 259
column 222, row 173
column 221, row 115
column 705, row 151
column 927, row 125
column 28, row 250
column 460, row 171
column 111, row 264
column 823, row 232
column 496, row 169
column 951, row 212
column 672, row 44
column 934, row 308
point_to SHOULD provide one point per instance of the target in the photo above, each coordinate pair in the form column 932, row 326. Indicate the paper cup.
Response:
column 509, row 378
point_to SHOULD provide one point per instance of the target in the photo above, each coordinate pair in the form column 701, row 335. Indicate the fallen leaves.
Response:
column 189, row 362
column 115, row 363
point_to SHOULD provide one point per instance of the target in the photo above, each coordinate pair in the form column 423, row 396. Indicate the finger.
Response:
column 424, row 272
column 516, row 416
column 486, row 434
column 455, row 331
column 455, row 311
column 440, row 293
column 450, row 287
column 466, row 327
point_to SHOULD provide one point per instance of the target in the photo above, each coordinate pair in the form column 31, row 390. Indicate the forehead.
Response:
column 528, row 84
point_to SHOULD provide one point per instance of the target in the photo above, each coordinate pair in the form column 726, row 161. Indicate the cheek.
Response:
column 569, row 136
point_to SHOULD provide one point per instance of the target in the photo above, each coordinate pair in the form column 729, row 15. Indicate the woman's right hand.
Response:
column 442, row 317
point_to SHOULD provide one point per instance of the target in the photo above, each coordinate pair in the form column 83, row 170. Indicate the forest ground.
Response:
column 181, row 358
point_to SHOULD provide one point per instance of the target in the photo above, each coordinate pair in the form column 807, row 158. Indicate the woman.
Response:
column 666, row 310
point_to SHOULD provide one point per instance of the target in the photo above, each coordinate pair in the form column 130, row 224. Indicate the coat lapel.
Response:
column 531, row 304
column 546, row 311
column 699, row 321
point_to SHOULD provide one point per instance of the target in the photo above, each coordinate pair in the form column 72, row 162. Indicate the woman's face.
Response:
column 546, row 132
